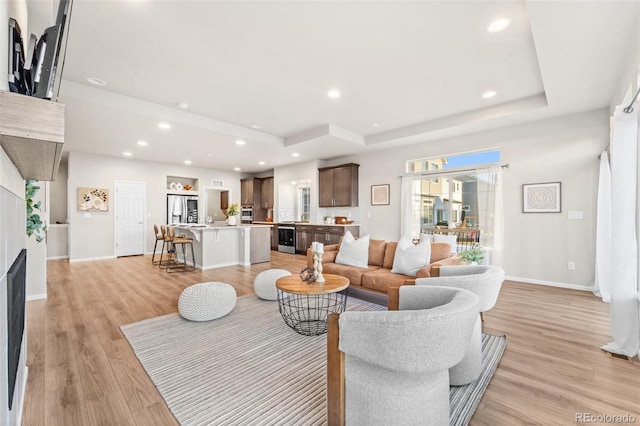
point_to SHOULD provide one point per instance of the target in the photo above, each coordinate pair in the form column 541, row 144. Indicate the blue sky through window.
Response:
column 472, row 159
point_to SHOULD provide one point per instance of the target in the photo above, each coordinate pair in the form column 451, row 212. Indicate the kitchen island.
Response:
column 218, row 246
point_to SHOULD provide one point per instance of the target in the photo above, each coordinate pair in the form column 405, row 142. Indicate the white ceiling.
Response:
column 418, row 67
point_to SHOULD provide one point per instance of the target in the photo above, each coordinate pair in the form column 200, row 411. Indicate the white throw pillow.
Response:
column 426, row 237
column 410, row 258
column 452, row 240
column 354, row 252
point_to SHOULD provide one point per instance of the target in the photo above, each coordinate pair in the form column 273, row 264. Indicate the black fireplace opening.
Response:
column 16, row 293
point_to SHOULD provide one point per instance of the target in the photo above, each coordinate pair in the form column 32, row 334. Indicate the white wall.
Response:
column 537, row 246
column 58, row 195
column 92, row 236
column 12, row 240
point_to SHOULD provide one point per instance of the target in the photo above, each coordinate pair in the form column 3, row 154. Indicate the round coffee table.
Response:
column 305, row 307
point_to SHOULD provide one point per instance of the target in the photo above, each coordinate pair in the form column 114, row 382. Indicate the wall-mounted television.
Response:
column 50, row 53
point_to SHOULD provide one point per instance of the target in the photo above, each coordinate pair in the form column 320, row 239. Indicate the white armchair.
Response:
column 391, row 367
column 485, row 281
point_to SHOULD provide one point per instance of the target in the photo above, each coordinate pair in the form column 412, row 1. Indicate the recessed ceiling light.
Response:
column 164, row 125
column 262, row 163
column 127, row 154
column 378, row 125
column 295, row 154
column 498, row 25
column 209, row 154
column 257, row 126
column 489, row 94
column 96, row 81
column 142, row 143
column 187, row 162
column 333, row 93
column 240, row 142
column 183, row 105
column 237, row 169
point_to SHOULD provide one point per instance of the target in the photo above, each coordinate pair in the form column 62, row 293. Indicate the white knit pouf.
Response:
column 206, row 301
column 265, row 283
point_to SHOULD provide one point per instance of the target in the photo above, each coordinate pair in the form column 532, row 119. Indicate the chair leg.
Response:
column 168, row 245
column 177, row 264
column 153, row 256
column 193, row 256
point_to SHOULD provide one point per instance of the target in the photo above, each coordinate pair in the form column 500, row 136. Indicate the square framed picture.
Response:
column 541, row 197
column 380, row 195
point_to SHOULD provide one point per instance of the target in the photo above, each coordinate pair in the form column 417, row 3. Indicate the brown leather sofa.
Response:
column 377, row 276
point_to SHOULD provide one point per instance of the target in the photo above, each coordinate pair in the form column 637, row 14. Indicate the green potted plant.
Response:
column 34, row 222
column 472, row 256
column 232, row 212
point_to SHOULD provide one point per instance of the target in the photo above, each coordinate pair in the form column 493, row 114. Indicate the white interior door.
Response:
column 129, row 220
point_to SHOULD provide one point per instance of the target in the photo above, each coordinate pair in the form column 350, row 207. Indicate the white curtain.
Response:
column 604, row 232
column 625, row 310
column 407, row 220
column 490, row 206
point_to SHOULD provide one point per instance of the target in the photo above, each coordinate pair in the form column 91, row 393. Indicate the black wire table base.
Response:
column 307, row 314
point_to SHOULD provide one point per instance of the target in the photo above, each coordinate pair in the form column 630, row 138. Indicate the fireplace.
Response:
column 16, row 281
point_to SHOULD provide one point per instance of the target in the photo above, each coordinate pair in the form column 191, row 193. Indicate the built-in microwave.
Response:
column 246, row 215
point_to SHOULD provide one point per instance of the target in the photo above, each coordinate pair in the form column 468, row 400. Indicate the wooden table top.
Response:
column 294, row 284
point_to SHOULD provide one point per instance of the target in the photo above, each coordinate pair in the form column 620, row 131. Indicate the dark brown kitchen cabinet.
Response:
column 307, row 234
column 266, row 193
column 274, row 237
column 224, row 200
column 303, row 238
column 250, row 192
column 338, row 186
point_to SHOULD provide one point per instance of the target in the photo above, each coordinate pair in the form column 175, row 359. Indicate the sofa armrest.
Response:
column 453, row 260
column 393, row 296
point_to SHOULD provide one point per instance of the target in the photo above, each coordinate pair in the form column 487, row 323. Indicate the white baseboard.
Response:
column 86, row 259
column 550, row 283
column 57, row 257
column 219, row 265
column 36, row 297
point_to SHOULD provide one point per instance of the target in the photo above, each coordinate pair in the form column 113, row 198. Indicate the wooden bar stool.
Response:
column 182, row 241
column 166, row 242
column 159, row 237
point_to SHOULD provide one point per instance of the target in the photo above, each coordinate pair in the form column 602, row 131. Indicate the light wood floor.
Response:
column 82, row 371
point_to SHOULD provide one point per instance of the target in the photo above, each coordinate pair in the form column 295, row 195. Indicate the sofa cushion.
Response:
column 353, row 274
column 376, row 252
column 354, row 252
column 383, row 279
column 389, row 254
column 409, row 257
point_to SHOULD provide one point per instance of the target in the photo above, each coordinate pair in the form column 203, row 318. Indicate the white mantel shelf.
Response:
column 32, row 134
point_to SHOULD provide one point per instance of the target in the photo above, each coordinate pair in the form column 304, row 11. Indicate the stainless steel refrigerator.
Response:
column 182, row 209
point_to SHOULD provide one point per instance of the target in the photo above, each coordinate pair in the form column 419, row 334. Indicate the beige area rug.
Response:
column 249, row 368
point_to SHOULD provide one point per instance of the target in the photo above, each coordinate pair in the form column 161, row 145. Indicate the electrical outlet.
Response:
column 571, row 266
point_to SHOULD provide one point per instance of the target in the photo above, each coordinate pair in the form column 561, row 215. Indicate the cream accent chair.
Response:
column 485, row 281
column 392, row 367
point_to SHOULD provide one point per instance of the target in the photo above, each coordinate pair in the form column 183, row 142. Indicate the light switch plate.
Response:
column 575, row 214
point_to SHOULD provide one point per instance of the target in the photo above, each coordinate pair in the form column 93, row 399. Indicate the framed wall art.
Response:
column 380, row 195
column 93, row 199
column 541, row 197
